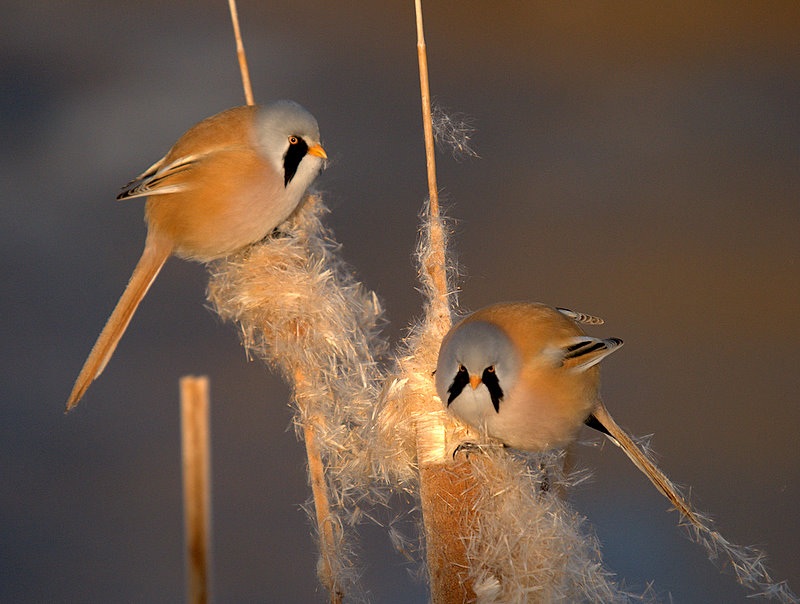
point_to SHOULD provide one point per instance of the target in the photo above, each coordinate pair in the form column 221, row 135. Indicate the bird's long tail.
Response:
column 748, row 563
column 156, row 251
column 642, row 461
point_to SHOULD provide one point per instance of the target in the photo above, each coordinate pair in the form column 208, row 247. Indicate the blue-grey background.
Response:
column 638, row 162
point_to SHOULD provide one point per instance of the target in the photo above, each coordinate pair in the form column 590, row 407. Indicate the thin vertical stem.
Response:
column 436, row 266
column 195, row 445
column 248, row 89
column 319, row 490
column 445, row 508
column 316, row 468
column 427, row 120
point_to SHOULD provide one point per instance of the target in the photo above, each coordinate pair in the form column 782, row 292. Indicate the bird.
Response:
column 226, row 183
column 523, row 373
column 527, row 375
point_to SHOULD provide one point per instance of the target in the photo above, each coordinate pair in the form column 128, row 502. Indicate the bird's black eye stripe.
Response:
column 298, row 148
column 489, row 378
column 459, row 382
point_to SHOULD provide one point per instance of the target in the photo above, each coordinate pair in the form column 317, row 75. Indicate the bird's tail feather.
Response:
column 643, row 461
column 156, row 251
column 748, row 563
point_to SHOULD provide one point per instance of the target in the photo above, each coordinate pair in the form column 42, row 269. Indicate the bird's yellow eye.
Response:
column 490, row 369
column 293, row 140
column 461, row 368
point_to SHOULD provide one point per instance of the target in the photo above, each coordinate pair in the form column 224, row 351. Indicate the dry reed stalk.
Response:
column 495, row 527
column 300, row 309
column 195, row 441
column 476, row 547
column 319, row 489
column 446, row 515
column 436, row 265
column 245, row 71
column 324, row 523
column 441, row 490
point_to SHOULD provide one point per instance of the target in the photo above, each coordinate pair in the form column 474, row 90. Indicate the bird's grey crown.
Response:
column 476, row 345
column 288, row 117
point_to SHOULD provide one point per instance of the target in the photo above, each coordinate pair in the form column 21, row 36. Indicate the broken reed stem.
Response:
column 322, row 509
column 195, row 445
column 248, row 89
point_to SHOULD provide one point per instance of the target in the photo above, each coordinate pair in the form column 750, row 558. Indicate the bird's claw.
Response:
column 467, row 447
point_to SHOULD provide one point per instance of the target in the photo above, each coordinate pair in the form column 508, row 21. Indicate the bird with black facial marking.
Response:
column 525, row 374
column 225, row 184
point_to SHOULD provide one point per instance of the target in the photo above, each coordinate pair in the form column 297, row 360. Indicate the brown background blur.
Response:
column 638, row 162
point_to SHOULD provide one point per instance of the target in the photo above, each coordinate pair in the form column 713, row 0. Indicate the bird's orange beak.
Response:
column 474, row 381
column 318, row 151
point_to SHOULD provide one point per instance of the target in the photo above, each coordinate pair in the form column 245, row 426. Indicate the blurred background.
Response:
column 638, row 161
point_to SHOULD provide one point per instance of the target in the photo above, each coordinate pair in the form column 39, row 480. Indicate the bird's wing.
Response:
column 160, row 179
column 581, row 352
column 224, row 131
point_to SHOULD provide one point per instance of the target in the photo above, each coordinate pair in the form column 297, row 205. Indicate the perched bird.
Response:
column 225, row 184
column 522, row 373
column 527, row 375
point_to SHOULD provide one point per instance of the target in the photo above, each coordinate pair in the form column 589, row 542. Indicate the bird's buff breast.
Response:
column 524, row 423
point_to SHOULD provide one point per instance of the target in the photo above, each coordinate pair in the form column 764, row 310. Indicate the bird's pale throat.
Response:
column 488, row 379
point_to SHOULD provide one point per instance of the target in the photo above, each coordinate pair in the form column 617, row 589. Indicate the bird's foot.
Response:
column 468, row 447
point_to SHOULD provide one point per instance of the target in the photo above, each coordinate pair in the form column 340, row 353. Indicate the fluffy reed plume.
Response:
column 406, row 399
column 300, row 309
column 527, row 544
